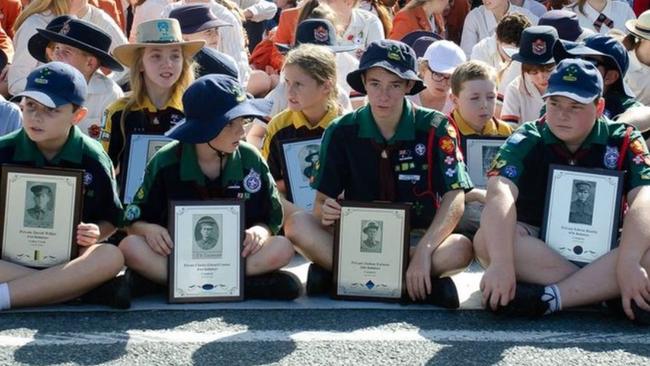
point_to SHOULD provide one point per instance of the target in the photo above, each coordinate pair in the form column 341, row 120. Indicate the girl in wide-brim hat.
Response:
column 161, row 65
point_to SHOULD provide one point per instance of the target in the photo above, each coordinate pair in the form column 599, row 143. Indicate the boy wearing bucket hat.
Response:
column 574, row 133
column 391, row 150
column 85, row 47
column 52, row 105
column 210, row 162
column 523, row 97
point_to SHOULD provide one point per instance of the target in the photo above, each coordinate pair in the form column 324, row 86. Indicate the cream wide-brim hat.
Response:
column 640, row 27
column 156, row 33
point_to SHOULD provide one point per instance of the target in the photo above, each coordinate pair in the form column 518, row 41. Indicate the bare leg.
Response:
column 276, row 253
column 141, row 258
column 453, row 255
column 97, row 264
column 310, row 238
column 10, row 271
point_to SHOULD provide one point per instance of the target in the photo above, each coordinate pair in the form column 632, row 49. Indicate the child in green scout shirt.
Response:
column 474, row 94
column 391, row 150
column 575, row 133
column 210, row 162
column 52, row 105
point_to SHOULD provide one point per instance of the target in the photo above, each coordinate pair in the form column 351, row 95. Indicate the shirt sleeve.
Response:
column 450, row 172
column 262, row 10
column 470, row 33
column 509, row 160
column 511, row 110
column 332, row 168
column 104, row 204
column 23, row 62
column 637, row 161
column 150, row 201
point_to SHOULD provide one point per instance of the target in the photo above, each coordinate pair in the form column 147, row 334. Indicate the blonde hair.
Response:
column 471, row 70
column 138, row 93
column 320, row 64
column 57, row 7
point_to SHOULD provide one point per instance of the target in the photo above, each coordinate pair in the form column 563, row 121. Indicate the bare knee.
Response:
column 132, row 249
column 479, row 248
column 462, row 250
column 282, row 252
column 109, row 258
column 297, row 227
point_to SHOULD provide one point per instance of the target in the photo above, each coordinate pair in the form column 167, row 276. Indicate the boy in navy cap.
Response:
column 52, row 105
column 391, row 150
column 575, row 133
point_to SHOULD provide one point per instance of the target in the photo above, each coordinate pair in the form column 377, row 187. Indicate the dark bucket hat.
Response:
column 320, row 32
column 204, row 119
column 536, row 45
column 196, row 18
column 394, row 56
column 79, row 34
column 211, row 61
column 420, row 40
column 566, row 23
column 37, row 43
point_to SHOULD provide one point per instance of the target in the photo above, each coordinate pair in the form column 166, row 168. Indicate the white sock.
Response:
column 553, row 298
column 5, row 302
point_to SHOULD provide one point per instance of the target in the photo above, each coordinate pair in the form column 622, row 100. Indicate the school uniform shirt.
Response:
column 9, row 11
column 637, row 79
column 481, row 23
column 534, row 7
column 486, row 51
column 102, row 92
column 24, row 63
column 231, row 39
column 493, row 127
column 526, row 155
column 145, row 118
column 261, row 9
column 356, row 159
column 522, row 101
column 12, row 118
column 286, row 126
column 6, row 45
column 100, row 199
column 174, row 174
column 415, row 19
column 618, row 12
column 617, row 102
column 449, row 104
column 364, row 28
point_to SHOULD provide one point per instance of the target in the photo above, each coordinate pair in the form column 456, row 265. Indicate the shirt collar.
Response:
column 490, row 128
column 71, row 151
column 599, row 134
column 405, row 127
column 191, row 171
column 175, row 101
column 299, row 120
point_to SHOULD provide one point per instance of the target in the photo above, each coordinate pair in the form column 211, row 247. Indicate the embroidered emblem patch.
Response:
column 611, row 157
column 449, row 160
column 539, row 47
column 132, row 212
column 321, row 34
column 252, row 182
column 451, row 131
column 450, row 172
column 515, row 138
column 94, row 131
column 637, row 147
column 510, row 171
column 447, row 145
column 420, row 149
column 88, row 178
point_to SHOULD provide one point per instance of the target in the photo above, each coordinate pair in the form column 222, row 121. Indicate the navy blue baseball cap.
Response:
column 55, row 84
column 204, row 119
column 576, row 79
column 394, row 56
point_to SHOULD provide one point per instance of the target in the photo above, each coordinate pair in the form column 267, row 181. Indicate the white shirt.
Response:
column 261, row 9
column 446, row 109
column 481, row 23
column 638, row 79
column 345, row 64
column 102, row 92
column 24, row 63
column 486, row 51
column 618, row 11
column 365, row 27
column 231, row 39
column 521, row 104
column 535, row 7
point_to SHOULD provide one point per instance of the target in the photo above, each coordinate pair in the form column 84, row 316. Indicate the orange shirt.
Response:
column 110, row 8
column 6, row 45
column 9, row 10
column 411, row 20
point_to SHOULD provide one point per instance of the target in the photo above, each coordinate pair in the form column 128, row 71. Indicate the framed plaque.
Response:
column 300, row 157
column 479, row 153
column 206, row 263
column 371, row 251
column 582, row 211
column 139, row 151
column 41, row 209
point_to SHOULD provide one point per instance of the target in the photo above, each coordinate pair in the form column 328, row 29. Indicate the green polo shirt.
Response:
column 352, row 148
column 526, row 155
column 174, row 174
column 101, row 201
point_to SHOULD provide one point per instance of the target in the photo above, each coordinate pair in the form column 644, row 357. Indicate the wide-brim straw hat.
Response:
column 156, row 33
column 640, row 27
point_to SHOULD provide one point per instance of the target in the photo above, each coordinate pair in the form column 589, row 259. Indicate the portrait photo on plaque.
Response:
column 371, row 251
column 300, row 159
column 582, row 211
column 479, row 154
column 139, row 151
column 206, row 263
column 41, row 210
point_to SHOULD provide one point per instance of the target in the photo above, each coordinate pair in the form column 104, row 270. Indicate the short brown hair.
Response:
column 471, row 70
column 510, row 27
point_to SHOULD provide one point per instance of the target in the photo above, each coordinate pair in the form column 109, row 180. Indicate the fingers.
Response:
column 167, row 240
column 158, row 245
column 627, row 307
